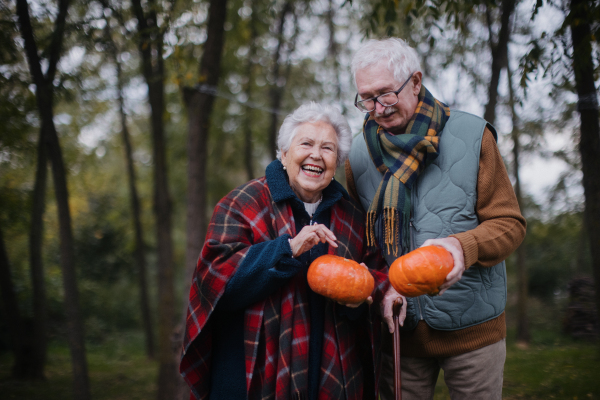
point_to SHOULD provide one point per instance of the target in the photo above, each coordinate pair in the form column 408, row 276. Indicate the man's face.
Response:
column 378, row 79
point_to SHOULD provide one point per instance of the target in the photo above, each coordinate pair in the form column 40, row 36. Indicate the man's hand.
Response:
column 454, row 247
column 387, row 308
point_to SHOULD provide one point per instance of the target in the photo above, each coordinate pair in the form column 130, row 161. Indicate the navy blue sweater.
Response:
column 266, row 267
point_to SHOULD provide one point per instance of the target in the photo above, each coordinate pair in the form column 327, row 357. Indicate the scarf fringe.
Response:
column 390, row 231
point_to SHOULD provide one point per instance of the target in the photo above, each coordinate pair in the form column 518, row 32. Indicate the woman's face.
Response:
column 311, row 159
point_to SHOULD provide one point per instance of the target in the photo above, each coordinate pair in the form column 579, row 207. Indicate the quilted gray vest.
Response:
column 443, row 203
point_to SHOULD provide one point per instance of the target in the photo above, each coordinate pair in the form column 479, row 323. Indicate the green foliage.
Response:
column 557, row 251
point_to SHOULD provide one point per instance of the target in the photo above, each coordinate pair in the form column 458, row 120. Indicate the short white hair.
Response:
column 402, row 60
column 314, row 112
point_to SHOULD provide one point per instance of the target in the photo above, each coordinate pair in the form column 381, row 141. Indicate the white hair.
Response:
column 402, row 60
column 313, row 112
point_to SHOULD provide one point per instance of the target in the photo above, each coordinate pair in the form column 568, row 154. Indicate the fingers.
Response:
column 387, row 305
column 454, row 247
column 310, row 236
column 368, row 300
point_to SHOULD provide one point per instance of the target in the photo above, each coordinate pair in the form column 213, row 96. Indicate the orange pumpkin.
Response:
column 421, row 271
column 340, row 279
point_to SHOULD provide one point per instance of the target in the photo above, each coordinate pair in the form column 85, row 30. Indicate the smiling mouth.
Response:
column 312, row 170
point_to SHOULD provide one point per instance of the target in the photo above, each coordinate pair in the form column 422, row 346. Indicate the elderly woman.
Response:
column 255, row 329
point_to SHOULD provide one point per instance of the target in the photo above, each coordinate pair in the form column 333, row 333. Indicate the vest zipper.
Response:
column 412, row 240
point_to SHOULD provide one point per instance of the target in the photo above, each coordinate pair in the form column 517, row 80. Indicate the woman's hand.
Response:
column 310, row 236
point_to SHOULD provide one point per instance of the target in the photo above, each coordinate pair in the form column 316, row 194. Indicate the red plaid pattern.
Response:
column 276, row 330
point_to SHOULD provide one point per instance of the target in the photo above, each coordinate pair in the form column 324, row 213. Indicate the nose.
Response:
column 379, row 109
column 316, row 153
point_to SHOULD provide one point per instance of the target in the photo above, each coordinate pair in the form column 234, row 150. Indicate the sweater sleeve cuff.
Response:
column 469, row 246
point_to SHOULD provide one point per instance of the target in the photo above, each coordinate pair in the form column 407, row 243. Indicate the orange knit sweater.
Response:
column 500, row 232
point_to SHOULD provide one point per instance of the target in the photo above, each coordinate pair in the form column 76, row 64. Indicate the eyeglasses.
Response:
column 387, row 99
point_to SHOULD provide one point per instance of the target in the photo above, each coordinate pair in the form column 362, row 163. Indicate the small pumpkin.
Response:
column 340, row 279
column 421, row 271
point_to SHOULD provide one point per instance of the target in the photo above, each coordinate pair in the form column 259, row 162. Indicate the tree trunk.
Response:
column 40, row 313
column 499, row 59
column 44, row 97
column 589, row 143
column 248, row 145
column 523, row 336
column 276, row 92
column 199, row 105
column 139, row 253
column 150, row 47
column 333, row 52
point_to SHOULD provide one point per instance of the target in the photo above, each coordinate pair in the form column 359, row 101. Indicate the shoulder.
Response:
column 254, row 193
column 461, row 120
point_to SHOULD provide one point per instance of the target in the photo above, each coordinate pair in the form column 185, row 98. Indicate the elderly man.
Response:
column 426, row 175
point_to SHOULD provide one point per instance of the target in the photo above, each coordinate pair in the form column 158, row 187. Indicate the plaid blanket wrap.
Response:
column 276, row 329
column 401, row 158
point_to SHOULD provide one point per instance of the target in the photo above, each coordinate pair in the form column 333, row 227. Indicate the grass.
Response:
column 118, row 370
column 552, row 367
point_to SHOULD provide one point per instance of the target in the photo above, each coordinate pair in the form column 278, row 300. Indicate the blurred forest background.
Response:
column 122, row 123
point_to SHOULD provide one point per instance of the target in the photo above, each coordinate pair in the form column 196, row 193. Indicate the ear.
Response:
column 417, row 81
column 284, row 157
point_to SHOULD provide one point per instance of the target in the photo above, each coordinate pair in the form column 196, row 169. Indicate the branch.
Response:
column 57, row 39
column 31, row 49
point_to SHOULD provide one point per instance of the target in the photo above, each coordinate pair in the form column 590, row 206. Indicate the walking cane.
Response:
column 397, row 378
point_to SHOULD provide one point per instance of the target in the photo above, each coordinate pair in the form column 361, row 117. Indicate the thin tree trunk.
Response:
column 40, row 313
column 589, row 144
column 248, row 145
column 499, row 58
column 199, row 105
column 276, row 92
column 139, row 253
column 44, row 97
column 333, row 52
column 151, row 47
column 523, row 336
column 140, row 256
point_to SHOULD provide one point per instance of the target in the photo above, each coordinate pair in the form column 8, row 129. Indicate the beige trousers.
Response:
column 474, row 375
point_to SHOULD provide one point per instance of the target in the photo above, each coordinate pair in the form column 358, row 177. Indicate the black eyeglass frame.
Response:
column 376, row 98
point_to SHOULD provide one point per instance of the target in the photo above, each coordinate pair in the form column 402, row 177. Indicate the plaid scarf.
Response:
column 401, row 158
column 276, row 329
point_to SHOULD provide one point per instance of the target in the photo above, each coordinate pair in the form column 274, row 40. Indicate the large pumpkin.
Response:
column 340, row 279
column 421, row 271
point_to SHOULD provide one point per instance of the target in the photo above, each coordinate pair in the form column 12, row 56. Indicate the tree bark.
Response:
column 199, row 105
column 150, row 46
column 139, row 253
column 44, row 97
column 276, row 92
column 40, row 313
column 499, row 58
column 589, row 143
column 333, row 52
column 523, row 335
column 248, row 145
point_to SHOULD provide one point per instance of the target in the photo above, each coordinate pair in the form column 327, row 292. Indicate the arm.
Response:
column 269, row 265
column 265, row 268
column 502, row 227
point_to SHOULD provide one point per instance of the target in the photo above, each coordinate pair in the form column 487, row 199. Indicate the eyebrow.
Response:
column 384, row 89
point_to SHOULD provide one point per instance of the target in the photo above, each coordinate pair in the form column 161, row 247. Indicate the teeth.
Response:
column 313, row 168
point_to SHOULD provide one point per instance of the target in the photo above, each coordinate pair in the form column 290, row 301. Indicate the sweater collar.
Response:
column 281, row 190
